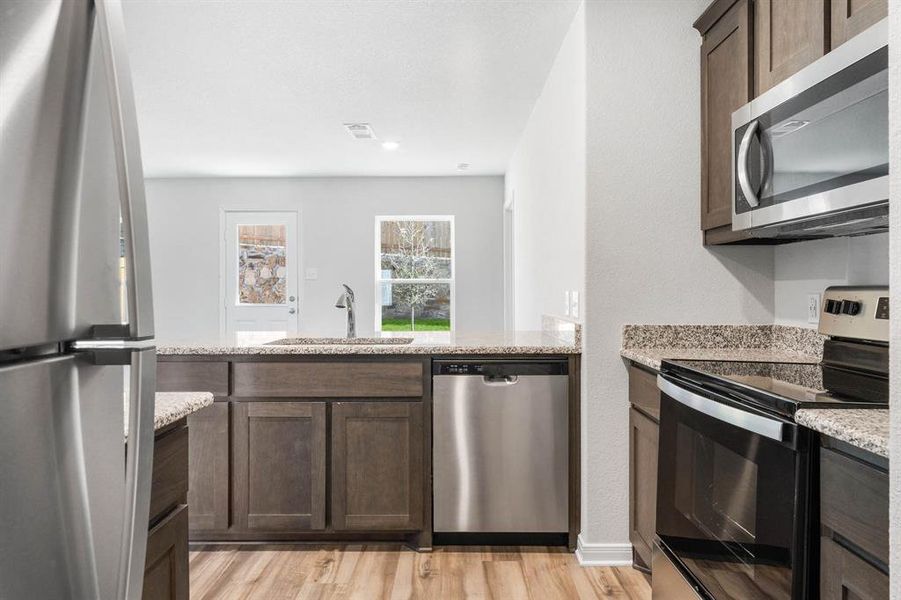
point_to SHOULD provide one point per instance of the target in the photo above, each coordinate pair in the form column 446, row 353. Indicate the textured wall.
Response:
column 546, row 182
column 645, row 260
column 809, row 267
column 895, row 262
column 337, row 237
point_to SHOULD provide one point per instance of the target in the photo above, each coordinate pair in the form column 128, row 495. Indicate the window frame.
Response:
column 379, row 279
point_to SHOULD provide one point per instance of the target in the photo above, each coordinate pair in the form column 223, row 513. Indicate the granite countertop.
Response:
column 866, row 428
column 169, row 407
column 650, row 344
column 517, row 342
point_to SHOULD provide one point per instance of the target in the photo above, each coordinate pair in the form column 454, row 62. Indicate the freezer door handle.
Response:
column 138, row 466
column 129, row 169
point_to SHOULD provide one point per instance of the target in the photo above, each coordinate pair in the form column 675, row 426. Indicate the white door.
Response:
column 260, row 272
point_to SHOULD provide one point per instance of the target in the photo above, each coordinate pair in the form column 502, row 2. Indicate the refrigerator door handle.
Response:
column 129, row 171
column 138, row 467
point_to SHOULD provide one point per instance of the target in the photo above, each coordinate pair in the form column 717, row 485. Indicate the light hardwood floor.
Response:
column 373, row 571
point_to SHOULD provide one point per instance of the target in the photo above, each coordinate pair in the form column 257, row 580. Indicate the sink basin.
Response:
column 325, row 341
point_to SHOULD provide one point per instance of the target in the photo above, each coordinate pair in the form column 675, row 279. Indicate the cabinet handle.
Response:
column 742, row 165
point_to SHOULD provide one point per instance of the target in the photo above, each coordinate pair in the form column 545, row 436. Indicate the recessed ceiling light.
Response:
column 462, row 166
column 390, row 145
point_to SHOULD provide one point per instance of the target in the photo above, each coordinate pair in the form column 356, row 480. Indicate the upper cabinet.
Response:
column 748, row 47
column 850, row 17
column 788, row 36
column 725, row 87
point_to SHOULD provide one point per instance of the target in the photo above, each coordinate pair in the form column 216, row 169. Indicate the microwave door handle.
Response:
column 129, row 170
column 741, row 165
column 769, row 428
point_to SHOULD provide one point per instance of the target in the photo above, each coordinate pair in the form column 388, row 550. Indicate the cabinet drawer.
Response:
column 643, row 392
column 192, row 376
column 166, row 565
column 169, row 485
column 328, row 379
column 854, row 502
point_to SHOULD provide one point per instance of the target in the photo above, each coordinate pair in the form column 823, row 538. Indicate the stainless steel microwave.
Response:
column 810, row 156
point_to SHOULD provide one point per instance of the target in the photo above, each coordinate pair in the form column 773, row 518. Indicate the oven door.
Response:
column 813, row 150
column 732, row 494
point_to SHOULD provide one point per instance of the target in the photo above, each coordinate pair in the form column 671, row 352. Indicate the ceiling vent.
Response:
column 360, row 131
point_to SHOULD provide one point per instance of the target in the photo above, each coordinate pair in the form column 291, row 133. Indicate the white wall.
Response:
column 645, row 259
column 546, row 182
column 336, row 237
column 895, row 262
column 804, row 268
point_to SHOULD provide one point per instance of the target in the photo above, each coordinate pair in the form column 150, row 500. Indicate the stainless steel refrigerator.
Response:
column 77, row 361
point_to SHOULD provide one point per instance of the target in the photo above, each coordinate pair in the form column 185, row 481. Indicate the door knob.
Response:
column 290, row 298
column 291, row 311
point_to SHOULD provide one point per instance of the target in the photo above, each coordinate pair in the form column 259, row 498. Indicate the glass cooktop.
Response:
column 785, row 387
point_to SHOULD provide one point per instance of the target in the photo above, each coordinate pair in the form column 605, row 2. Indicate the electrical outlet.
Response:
column 813, row 308
column 574, row 307
column 567, row 303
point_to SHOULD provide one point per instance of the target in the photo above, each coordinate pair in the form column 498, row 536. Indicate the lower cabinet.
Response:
column 644, row 431
column 208, row 475
column 643, row 435
column 377, row 465
column 845, row 576
column 166, row 564
column 854, row 518
column 279, row 472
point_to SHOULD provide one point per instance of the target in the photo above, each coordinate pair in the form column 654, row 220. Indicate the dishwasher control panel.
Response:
column 500, row 368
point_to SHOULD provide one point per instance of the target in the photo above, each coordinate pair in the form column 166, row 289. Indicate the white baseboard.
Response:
column 603, row 555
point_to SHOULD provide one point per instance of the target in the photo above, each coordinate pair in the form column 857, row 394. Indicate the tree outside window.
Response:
column 415, row 274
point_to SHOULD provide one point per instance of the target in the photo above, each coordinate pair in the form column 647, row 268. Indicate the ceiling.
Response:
column 262, row 87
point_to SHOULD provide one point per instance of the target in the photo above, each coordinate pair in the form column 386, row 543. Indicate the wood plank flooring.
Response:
column 392, row 572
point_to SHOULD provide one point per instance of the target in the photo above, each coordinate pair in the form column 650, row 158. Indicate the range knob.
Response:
column 850, row 307
column 833, row 307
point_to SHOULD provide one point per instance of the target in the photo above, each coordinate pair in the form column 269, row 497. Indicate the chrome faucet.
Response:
column 346, row 300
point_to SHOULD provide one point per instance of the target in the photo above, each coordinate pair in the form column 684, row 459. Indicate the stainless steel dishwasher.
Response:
column 500, row 446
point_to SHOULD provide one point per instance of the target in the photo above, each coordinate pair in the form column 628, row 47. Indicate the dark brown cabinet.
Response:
column 643, row 434
column 377, row 466
column 725, row 87
column 279, row 466
column 854, row 516
column 850, row 17
column 749, row 46
column 789, row 35
column 166, row 563
column 208, row 491
column 644, row 398
column 846, row 576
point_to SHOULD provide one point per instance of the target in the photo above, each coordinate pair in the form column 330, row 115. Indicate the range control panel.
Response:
column 855, row 312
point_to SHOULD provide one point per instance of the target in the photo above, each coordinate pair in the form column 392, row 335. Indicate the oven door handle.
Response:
column 741, row 165
column 770, row 428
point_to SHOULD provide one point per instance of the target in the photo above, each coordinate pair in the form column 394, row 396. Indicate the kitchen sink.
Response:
column 324, row 341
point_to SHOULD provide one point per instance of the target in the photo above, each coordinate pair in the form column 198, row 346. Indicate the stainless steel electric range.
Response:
column 737, row 482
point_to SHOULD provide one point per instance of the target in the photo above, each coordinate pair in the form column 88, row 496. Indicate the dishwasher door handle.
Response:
column 500, row 379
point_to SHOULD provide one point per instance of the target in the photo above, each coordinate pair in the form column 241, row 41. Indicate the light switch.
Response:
column 311, row 274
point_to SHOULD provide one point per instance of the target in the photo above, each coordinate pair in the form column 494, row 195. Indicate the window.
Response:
column 414, row 274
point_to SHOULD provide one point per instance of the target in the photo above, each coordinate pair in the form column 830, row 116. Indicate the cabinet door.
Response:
column 725, row 87
column 279, row 466
column 789, row 35
column 643, row 434
column 377, row 466
column 166, row 565
column 208, row 468
column 845, row 576
column 850, row 17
